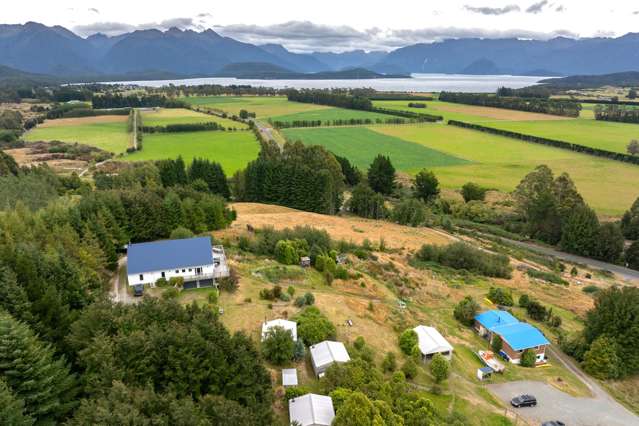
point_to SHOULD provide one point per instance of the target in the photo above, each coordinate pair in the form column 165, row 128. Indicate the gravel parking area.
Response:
column 552, row 404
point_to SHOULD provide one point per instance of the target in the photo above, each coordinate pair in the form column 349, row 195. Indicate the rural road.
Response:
column 599, row 410
column 625, row 273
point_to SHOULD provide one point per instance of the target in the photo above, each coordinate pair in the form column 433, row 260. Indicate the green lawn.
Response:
column 233, row 150
column 597, row 134
column 163, row 117
column 262, row 106
column 361, row 145
column 497, row 162
column 330, row 114
column 112, row 137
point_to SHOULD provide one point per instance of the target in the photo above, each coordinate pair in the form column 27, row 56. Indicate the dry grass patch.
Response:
column 495, row 113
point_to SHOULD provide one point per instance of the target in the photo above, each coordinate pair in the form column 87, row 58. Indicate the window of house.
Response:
column 190, row 269
column 163, row 275
column 183, row 270
column 141, row 277
column 177, row 271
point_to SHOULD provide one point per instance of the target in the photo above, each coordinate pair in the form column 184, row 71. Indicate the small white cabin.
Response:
column 431, row 342
column 326, row 353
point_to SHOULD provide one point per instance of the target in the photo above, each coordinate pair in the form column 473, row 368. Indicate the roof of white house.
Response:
column 169, row 254
column 430, row 341
column 327, row 352
column 289, row 377
column 285, row 324
column 311, row 409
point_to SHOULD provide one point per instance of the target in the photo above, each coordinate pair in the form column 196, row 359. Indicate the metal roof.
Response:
column 430, row 341
column 328, row 352
column 169, row 254
column 495, row 318
column 285, row 324
column 289, row 377
column 311, row 409
column 521, row 336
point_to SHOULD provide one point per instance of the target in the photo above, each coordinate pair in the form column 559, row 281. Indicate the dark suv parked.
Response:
column 523, row 401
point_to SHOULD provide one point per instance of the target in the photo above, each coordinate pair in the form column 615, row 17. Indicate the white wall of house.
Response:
column 189, row 273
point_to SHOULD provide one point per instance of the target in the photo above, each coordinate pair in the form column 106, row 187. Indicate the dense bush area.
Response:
column 566, row 108
column 329, row 97
column 462, row 256
column 117, row 100
column 620, row 113
column 184, row 127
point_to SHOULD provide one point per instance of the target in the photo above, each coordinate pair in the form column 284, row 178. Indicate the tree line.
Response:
column 337, row 122
column 298, row 176
column 184, row 127
column 617, row 156
column 615, row 112
column 117, row 100
column 565, row 108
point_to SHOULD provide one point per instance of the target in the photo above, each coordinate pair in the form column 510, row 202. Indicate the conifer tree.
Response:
column 12, row 408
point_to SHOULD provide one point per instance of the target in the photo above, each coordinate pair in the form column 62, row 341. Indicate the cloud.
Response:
column 537, row 7
column 304, row 36
column 560, row 8
column 493, row 10
column 94, row 10
column 117, row 28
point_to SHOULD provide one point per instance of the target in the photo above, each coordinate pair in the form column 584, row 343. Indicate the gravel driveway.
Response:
column 556, row 405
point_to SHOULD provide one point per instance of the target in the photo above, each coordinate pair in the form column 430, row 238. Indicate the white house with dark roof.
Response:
column 431, row 342
column 282, row 323
column 311, row 410
column 326, row 353
column 193, row 259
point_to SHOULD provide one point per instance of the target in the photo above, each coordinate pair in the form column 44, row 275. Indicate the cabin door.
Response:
column 198, row 271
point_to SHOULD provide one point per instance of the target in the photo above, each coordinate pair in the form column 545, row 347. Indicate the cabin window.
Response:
column 163, row 275
column 177, row 271
column 190, row 270
column 141, row 277
column 183, row 270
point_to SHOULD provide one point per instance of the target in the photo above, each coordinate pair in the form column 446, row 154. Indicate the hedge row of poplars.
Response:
column 184, row 127
column 566, row 108
column 338, row 122
column 417, row 116
column 617, row 156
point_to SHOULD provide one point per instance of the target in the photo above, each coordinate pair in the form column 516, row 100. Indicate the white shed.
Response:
column 311, row 410
column 289, row 377
column 430, row 342
column 325, row 353
column 285, row 324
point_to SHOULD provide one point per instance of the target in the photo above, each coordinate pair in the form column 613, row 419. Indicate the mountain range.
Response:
column 57, row 51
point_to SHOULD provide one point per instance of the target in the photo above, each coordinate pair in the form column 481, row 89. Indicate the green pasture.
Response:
column 361, row 145
column 610, row 187
column 166, row 116
column 330, row 114
column 597, row 134
column 233, row 150
column 262, row 106
column 111, row 137
column 432, row 107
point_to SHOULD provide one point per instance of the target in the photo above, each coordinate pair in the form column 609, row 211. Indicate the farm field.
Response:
column 262, row 106
column 233, row 150
column 108, row 132
column 597, row 134
column 361, row 145
column 469, row 113
column 330, row 114
column 165, row 116
column 498, row 162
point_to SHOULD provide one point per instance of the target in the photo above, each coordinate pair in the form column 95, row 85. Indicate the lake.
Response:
column 418, row 83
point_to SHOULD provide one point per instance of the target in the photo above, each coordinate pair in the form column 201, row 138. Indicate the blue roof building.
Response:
column 516, row 336
column 194, row 260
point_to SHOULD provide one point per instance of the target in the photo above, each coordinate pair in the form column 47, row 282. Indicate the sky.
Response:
column 339, row 25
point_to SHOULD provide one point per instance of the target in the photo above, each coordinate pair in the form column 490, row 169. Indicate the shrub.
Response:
column 278, row 346
column 407, row 341
column 299, row 351
column 409, row 369
column 286, row 253
column 177, row 282
column 590, row 289
column 497, row 344
column 170, row 293
column 180, row 233
column 410, row 212
column 231, row 282
column 313, row 327
column 439, row 368
column 161, row 282
column 213, row 297
column 426, row 185
column 359, row 343
column 601, row 360
column 466, row 310
column 500, row 296
column 294, row 392
column 524, row 300
column 536, row 311
column 473, row 192
column 290, row 290
column 389, row 363
column 528, row 358
column 550, row 277
column 462, row 256
column 341, row 273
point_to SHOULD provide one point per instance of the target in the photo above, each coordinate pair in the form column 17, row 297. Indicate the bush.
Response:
column 550, row 277
column 161, row 282
column 294, row 392
column 524, row 300
column 496, row 344
column 462, row 256
column 367, row 203
column 177, row 282
column 313, row 327
column 341, row 273
column 601, row 360
column 536, row 311
column 285, row 253
column 170, row 293
column 409, row 369
column 180, row 233
column 473, row 192
column 407, row 341
column 278, row 346
column 213, row 297
column 426, row 185
column 290, row 290
column 359, row 343
column 231, row 282
column 590, row 289
column 389, row 363
column 500, row 296
column 528, row 358
column 439, row 368
column 410, row 212
column 466, row 310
